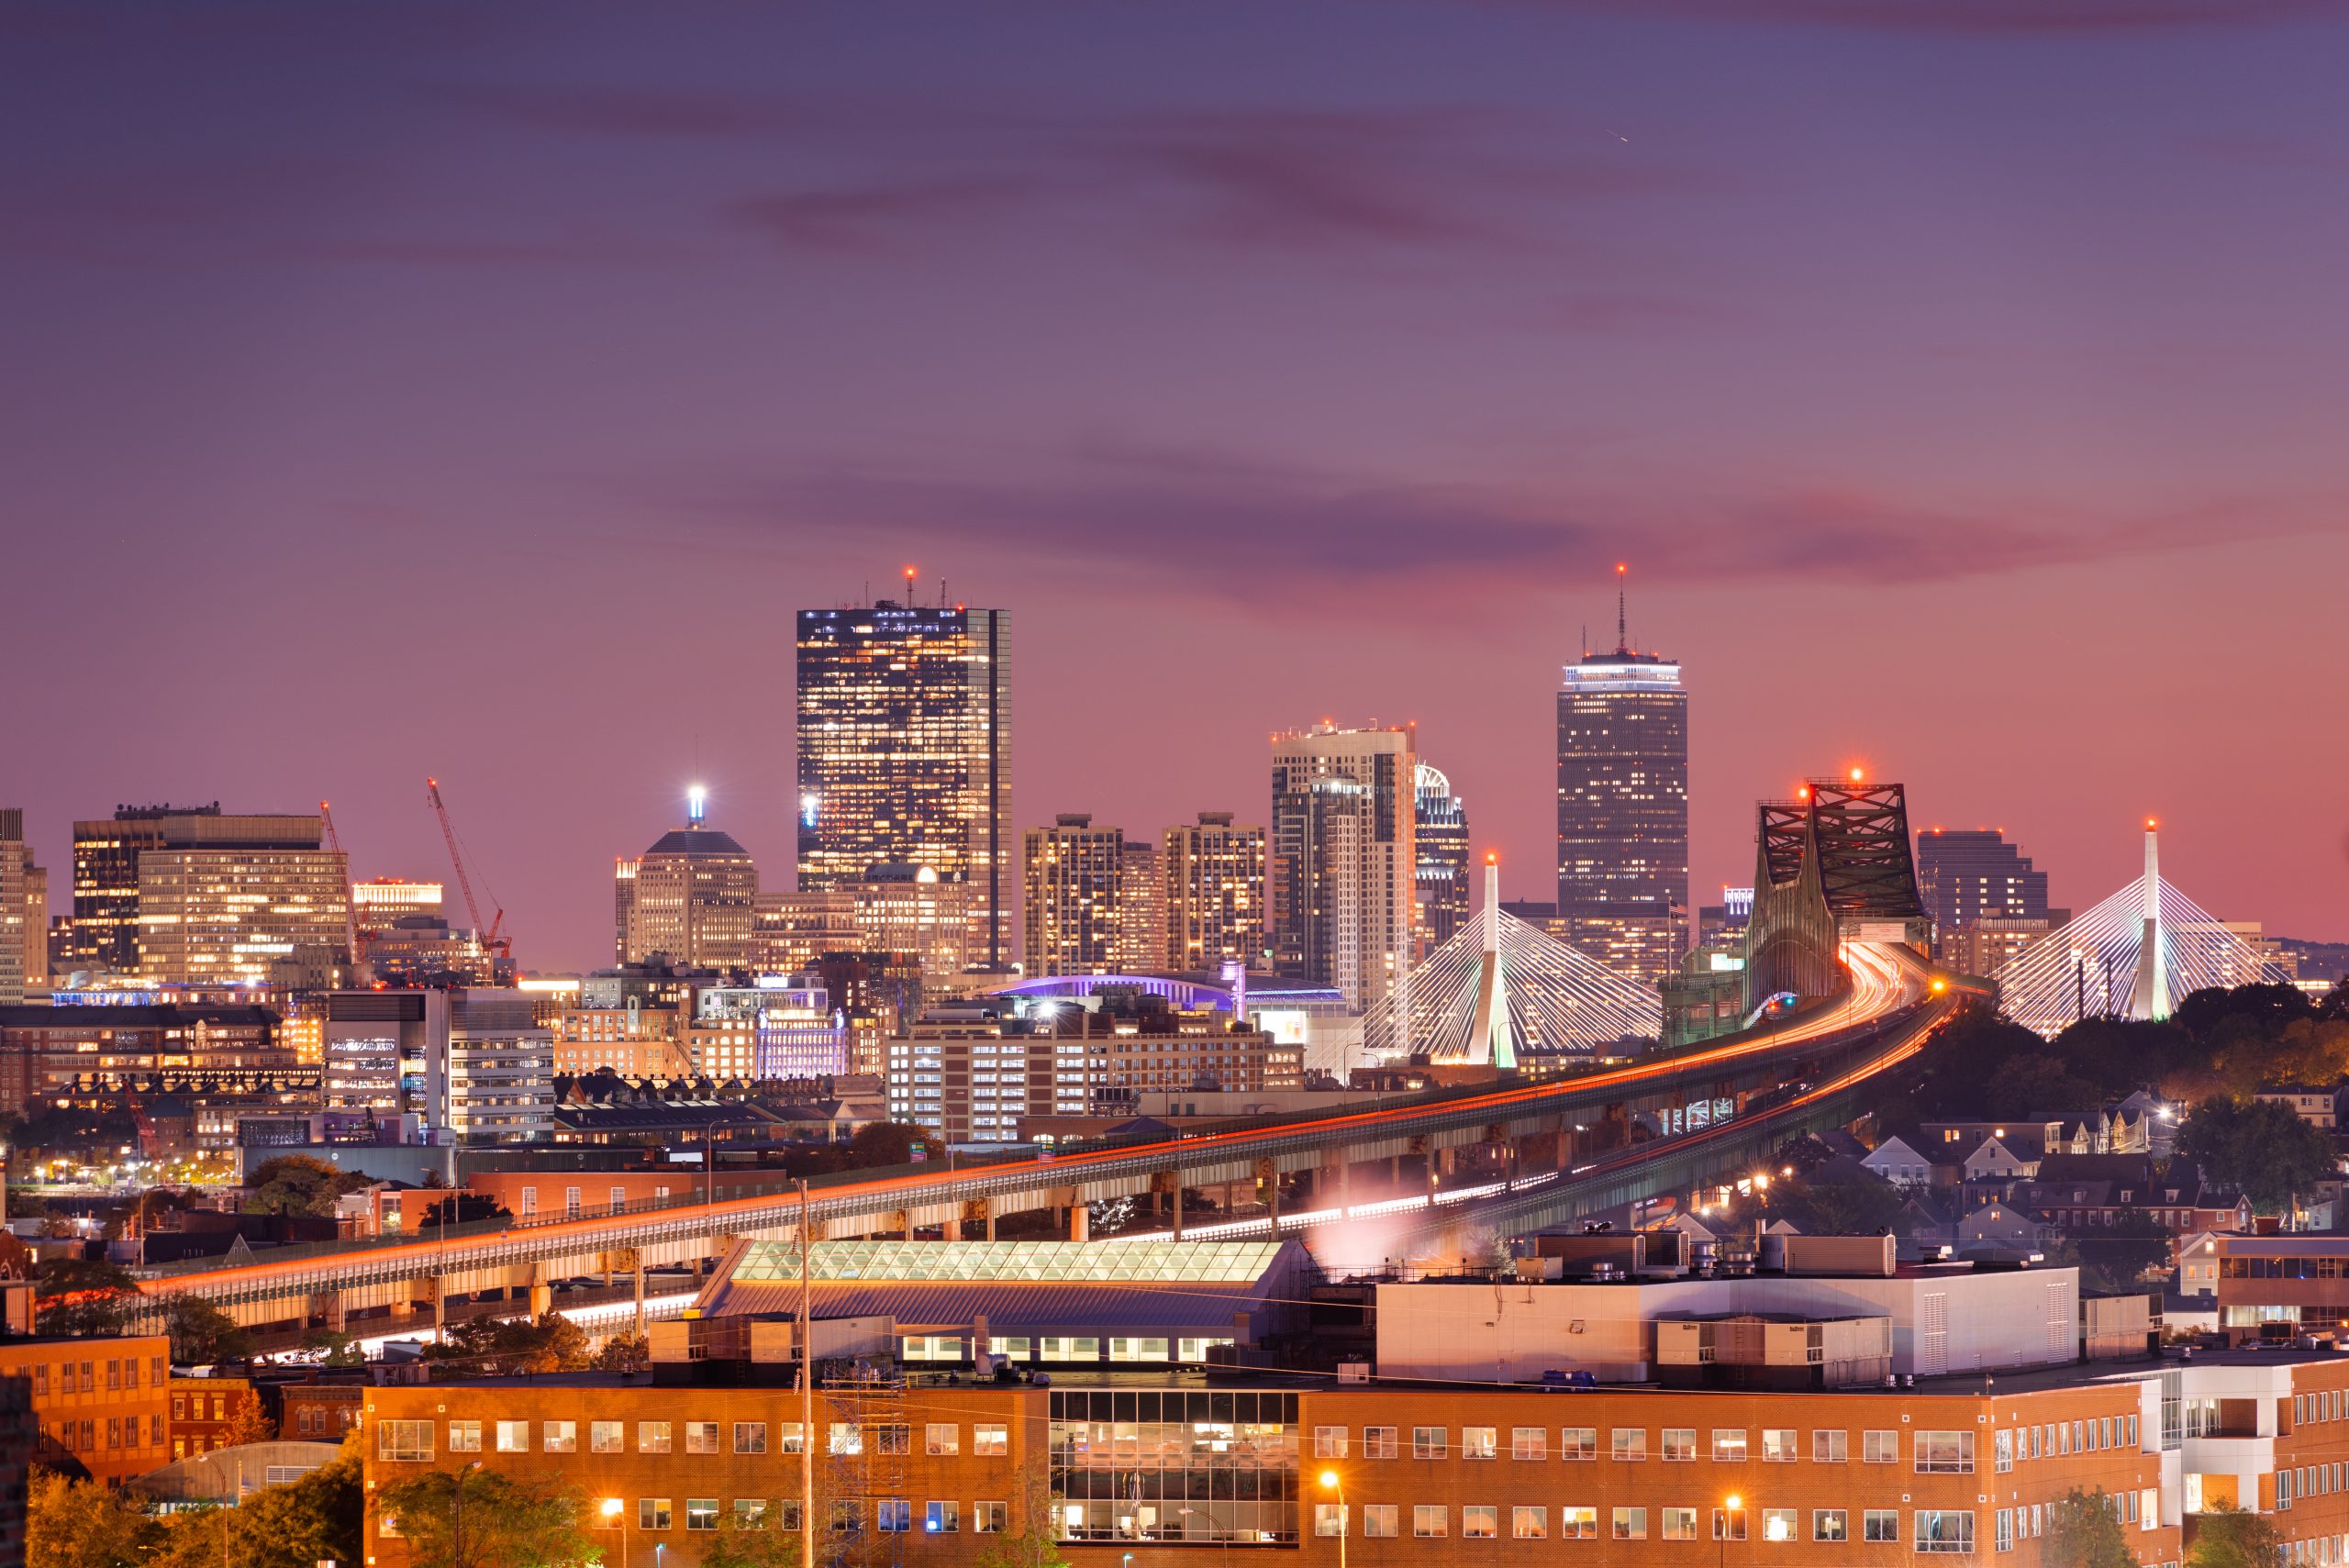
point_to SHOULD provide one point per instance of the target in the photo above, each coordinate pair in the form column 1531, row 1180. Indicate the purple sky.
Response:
column 478, row 390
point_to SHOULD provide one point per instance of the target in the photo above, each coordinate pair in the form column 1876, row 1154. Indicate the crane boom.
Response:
column 494, row 940
column 349, row 908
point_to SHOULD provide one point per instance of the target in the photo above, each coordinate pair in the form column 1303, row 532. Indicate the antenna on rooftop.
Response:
column 1622, row 636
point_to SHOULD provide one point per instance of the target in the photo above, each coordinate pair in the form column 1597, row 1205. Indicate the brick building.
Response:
column 100, row 1405
column 1147, row 1471
column 210, row 1413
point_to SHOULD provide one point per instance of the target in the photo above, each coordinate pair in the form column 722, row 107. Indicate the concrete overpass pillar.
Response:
column 1268, row 1177
column 639, row 1271
column 1080, row 1219
column 337, row 1315
column 541, row 1292
column 977, row 1211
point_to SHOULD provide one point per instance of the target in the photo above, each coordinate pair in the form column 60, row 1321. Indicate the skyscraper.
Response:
column 1623, row 786
column 13, row 862
column 905, row 734
column 1215, row 895
column 1343, row 864
column 1441, row 834
column 693, row 897
column 1967, row 875
column 1090, row 901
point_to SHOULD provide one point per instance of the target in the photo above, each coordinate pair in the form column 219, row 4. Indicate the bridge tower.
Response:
column 1832, row 865
column 1489, row 1035
column 2149, row 996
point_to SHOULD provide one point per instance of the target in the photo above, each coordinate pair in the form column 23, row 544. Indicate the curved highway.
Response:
column 1886, row 984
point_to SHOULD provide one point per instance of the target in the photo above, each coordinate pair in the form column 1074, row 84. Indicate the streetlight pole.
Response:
column 616, row 1511
column 1333, row 1482
column 1729, row 1513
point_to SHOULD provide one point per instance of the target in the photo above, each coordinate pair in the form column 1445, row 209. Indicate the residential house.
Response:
column 1895, row 1161
column 2318, row 1108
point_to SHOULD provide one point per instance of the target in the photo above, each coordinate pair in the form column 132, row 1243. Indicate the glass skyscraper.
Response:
column 905, row 734
column 1622, row 786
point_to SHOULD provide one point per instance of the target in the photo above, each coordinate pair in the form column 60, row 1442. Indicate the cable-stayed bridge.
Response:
column 2136, row 955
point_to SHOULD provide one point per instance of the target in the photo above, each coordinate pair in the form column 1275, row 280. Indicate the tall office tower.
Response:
column 693, row 897
column 1075, row 876
column 1623, row 785
column 13, row 862
column 1441, row 836
column 1344, row 860
column 229, row 895
column 905, row 752
column 1969, row 875
column 377, row 906
column 1215, row 895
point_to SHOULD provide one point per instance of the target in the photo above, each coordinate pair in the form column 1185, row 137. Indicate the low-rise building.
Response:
column 210, row 1413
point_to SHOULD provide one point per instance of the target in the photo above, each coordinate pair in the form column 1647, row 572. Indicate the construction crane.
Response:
column 494, row 940
column 350, row 909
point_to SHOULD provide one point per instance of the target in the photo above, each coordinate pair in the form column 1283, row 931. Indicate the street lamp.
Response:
column 1333, row 1482
column 612, row 1509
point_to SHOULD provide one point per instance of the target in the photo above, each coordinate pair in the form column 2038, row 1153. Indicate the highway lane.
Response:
column 1881, row 985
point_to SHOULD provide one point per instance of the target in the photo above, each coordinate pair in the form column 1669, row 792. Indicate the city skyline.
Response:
column 1331, row 383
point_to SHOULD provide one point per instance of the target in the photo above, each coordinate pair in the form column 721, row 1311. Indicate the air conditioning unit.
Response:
column 1353, row 1372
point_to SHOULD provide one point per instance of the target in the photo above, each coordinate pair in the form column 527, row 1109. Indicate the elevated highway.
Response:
column 1575, row 1132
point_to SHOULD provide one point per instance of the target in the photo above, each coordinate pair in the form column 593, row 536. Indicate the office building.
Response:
column 789, row 932
column 190, row 895
column 911, row 911
column 1440, row 836
column 97, row 1056
column 1966, row 876
column 1723, row 924
column 1990, row 943
column 376, row 906
column 1622, row 785
column 767, row 1032
column 973, row 1071
column 635, row 1041
column 35, row 890
column 424, row 949
column 904, row 740
column 1214, row 898
column 1344, row 863
column 1093, row 904
column 14, row 861
column 690, row 898
column 473, row 1065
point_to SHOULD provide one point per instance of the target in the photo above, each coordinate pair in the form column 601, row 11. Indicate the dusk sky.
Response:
column 478, row 390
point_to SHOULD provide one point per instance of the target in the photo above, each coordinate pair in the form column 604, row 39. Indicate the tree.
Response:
column 1027, row 1539
column 462, row 1208
column 2031, row 1082
column 486, row 1518
column 313, row 1518
column 79, row 1524
column 501, row 1347
column 2119, row 1256
column 2084, row 1531
column 889, row 1143
column 201, row 1333
column 2233, row 1537
column 297, row 1184
column 334, row 1349
column 624, row 1352
column 82, row 1296
column 2260, row 1148
column 251, row 1424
